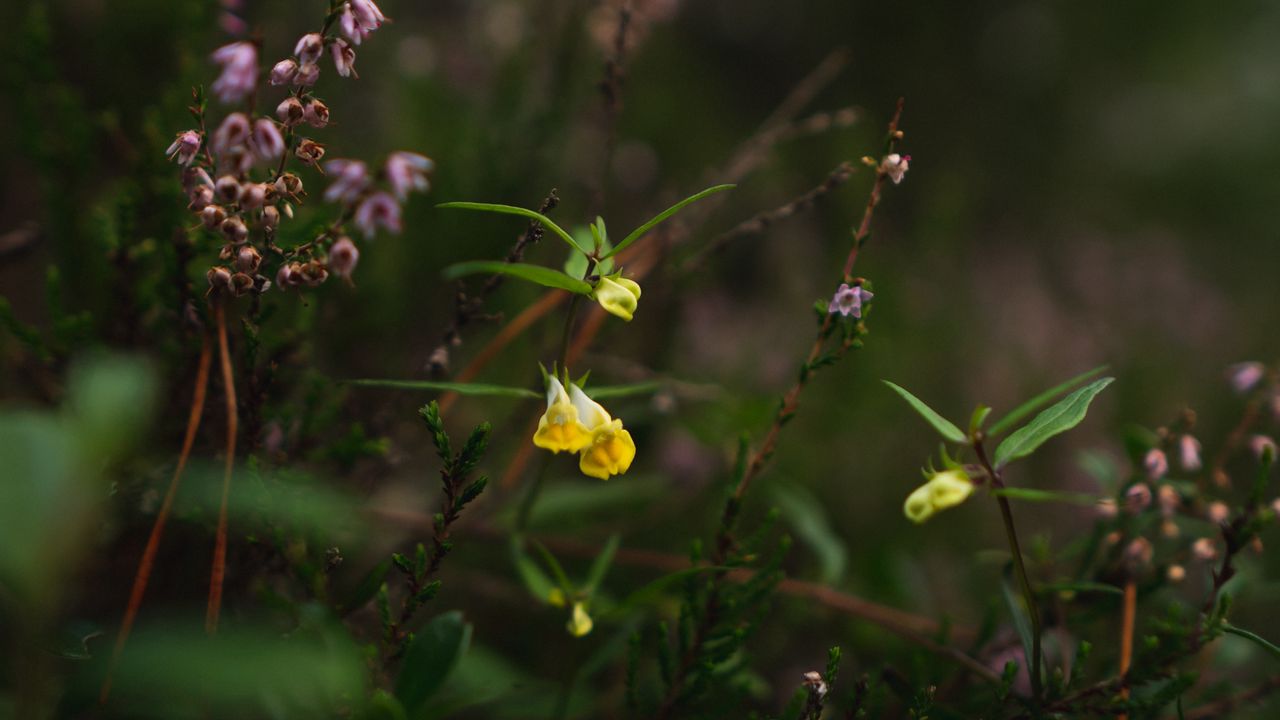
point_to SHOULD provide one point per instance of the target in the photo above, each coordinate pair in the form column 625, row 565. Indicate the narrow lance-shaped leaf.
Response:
column 1054, row 420
column 1039, row 401
column 432, row 655
column 945, row 427
column 1034, row 495
column 513, row 210
column 640, row 231
column 600, row 566
column 533, row 273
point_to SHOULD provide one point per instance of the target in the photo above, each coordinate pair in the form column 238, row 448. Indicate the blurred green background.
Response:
column 1090, row 183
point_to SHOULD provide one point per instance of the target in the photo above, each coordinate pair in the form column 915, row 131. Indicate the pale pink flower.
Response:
column 253, row 196
column 343, row 257
column 239, row 62
column 200, row 197
column 367, row 14
column 344, row 58
column 218, row 277
column 289, row 275
column 227, row 189
column 290, row 111
column 282, row 73
column 1261, row 445
column 349, row 179
column 1204, row 550
column 354, row 31
column 212, row 216
column 309, row 48
column 378, row 209
column 232, row 133
column 307, row 75
column 895, row 166
column 1137, row 498
column 407, row 171
column 1218, row 512
column 1189, row 453
column 184, row 147
column 1155, row 463
column 267, row 142
column 1244, row 376
column 848, row 300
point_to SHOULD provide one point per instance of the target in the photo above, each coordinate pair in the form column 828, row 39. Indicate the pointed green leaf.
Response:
column 1039, row 401
column 640, row 231
column 533, row 273
column 513, row 210
column 432, row 655
column 536, row 581
column 1056, row 419
column 1033, row 495
column 600, row 566
column 945, row 427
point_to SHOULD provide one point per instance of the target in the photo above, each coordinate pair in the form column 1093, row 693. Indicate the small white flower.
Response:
column 407, row 171
column 1189, row 453
column 1244, row 376
column 351, row 27
column 349, row 179
column 184, row 147
column 895, row 166
column 379, row 209
column 239, row 62
column 848, row 300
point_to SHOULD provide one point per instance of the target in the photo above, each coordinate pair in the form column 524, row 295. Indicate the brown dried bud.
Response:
column 290, row 111
column 212, row 216
column 316, row 113
column 227, row 189
column 218, row 277
column 253, row 196
column 241, row 284
column 314, row 273
column 309, row 151
column 270, row 217
column 234, row 229
column 201, row 196
column 289, row 185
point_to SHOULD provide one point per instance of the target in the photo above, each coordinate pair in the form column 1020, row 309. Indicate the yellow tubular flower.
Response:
column 580, row 623
column 559, row 428
column 610, row 449
column 619, row 296
column 944, row 490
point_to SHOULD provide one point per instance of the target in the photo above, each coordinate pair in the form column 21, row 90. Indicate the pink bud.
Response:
column 234, row 229
column 201, row 196
column 1218, row 512
column 218, row 277
column 378, row 209
column 309, row 48
column 212, row 216
column 1169, row 500
column 184, row 147
column 1155, row 463
column 344, row 58
column 290, row 111
column 407, row 171
column 1137, row 498
column 349, row 179
column 1204, row 550
column 895, row 166
column 254, row 195
column 1189, row 453
column 270, row 217
column 1262, row 446
column 307, row 75
column 1244, row 376
column 343, row 257
column 227, row 189
column 1176, row 573
column 247, row 259
column 239, row 62
column 282, row 73
column 268, row 143
column 232, row 133
column 316, row 113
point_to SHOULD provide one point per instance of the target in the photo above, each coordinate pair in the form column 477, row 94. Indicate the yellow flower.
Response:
column 945, row 489
column 580, row 623
column 610, row 449
column 556, row 597
column 618, row 295
column 559, row 428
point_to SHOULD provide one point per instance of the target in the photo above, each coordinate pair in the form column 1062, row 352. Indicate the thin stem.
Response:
column 145, row 565
column 1126, row 635
column 219, row 569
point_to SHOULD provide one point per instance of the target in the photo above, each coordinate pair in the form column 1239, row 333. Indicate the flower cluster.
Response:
column 575, row 423
column 219, row 169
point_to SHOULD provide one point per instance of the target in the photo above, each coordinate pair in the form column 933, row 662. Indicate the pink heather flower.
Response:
column 343, row 257
column 309, row 48
column 1261, row 445
column 212, row 216
column 289, row 275
column 282, row 73
column 218, row 277
column 1218, row 512
column 407, row 171
column 307, row 75
column 253, row 196
column 1169, row 500
column 378, row 209
column 200, row 196
column 232, row 133
column 350, row 178
column 344, row 58
column 1155, row 463
column 239, row 62
column 367, row 15
column 848, row 300
column 1137, row 498
column 1189, row 453
column 232, row 25
column 895, row 166
column 1244, row 376
column 227, row 188
column 1204, row 550
column 351, row 27
column 290, row 111
column 184, row 147
column 267, row 142
column 316, row 113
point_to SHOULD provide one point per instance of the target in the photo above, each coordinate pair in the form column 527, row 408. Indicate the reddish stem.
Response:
column 218, row 572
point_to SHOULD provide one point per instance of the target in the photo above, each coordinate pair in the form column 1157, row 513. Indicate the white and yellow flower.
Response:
column 560, row 428
column 610, row 450
column 618, row 295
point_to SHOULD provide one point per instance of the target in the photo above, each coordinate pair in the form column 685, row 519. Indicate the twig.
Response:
column 219, row 569
column 611, row 90
column 1126, row 635
column 141, row 578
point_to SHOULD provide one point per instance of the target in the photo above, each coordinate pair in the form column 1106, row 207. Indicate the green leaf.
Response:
column 600, row 566
column 481, row 389
column 368, row 587
column 1034, row 495
column 944, row 426
column 640, row 231
column 1021, row 620
column 1059, row 418
column 615, row 391
column 808, row 519
column 536, row 581
column 1039, row 401
column 513, row 210
column 432, row 655
column 1246, row 634
column 533, row 273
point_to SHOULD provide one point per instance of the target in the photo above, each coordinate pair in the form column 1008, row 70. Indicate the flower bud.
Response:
column 241, row 284
column 1137, row 498
column 289, row 185
column 343, row 257
column 1204, row 550
column 944, row 490
column 219, row 277
column 307, row 74
column 290, row 111
column 289, row 275
column 212, row 216
column 1169, row 500
column 618, row 296
column 314, row 273
column 227, row 189
column 1155, row 463
column 270, row 217
column 1176, row 573
column 1137, row 555
column 201, row 196
column 233, row 132
column 344, row 58
column 316, row 113
column 895, row 166
column 309, row 47
column 248, row 259
column 267, row 142
column 1263, row 447
column 580, row 623
column 1218, row 512
column 282, row 73
column 233, row 228
column 1169, row 529
column 184, row 147
column 253, row 196
column 1106, row 508
column 1244, row 376
column 1189, row 453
